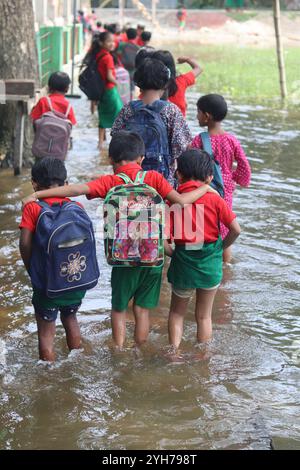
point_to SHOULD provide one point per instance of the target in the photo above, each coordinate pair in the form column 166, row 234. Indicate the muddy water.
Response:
column 244, row 393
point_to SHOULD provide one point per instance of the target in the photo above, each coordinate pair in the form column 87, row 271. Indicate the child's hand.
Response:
column 28, row 199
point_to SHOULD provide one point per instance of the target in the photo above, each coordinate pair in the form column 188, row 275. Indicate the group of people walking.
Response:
column 159, row 169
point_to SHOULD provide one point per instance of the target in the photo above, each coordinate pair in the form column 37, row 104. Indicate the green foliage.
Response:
column 242, row 16
column 245, row 74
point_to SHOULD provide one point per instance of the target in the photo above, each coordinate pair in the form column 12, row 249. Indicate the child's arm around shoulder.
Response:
column 164, row 188
column 71, row 190
column 188, row 198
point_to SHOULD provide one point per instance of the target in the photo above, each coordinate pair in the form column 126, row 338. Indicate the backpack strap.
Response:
column 125, row 178
column 204, row 136
column 139, row 179
column 43, row 204
column 68, row 110
column 49, row 103
column 136, row 105
column 100, row 57
column 158, row 105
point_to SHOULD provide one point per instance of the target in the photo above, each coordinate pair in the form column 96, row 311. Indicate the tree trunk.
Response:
column 18, row 59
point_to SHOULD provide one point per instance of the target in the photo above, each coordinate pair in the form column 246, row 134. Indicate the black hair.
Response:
column 152, row 74
column 111, row 28
column 104, row 36
column 94, row 49
column 131, row 33
column 142, row 54
column 98, row 24
column 141, row 26
column 214, row 105
column 59, row 81
column 49, row 171
column 127, row 146
column 166, row 58
column 195, row 164
column 146, row 36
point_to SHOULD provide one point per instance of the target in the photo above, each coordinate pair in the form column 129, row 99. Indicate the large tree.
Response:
column 18, row 59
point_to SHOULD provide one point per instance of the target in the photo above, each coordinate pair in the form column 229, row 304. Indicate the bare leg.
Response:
column 204, row 304
column 101, row 137
column 142, row 324
column 72, row 330
column 118, row 325
column 227, row 255
column 94, row 104
column 176, row 317
column 46, row 334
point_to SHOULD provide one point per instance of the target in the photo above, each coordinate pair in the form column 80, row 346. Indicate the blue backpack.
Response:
column 63, row 251
column 147, row 122
column 217, row 182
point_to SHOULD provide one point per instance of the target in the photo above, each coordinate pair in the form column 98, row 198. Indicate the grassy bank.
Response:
column 243, row 73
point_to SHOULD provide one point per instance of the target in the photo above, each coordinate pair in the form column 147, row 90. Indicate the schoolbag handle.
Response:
column 206, row 142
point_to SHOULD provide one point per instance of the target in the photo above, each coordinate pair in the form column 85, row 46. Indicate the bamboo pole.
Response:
column 280, row 58
column 121, row 13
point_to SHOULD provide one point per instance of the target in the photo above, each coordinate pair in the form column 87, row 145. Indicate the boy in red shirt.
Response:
column 49, row 173
column 198, row 256
column 58, row 86
column 126, row 152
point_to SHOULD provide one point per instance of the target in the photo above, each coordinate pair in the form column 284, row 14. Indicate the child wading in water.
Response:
column 58, row 86
column 48, row 173
column 212, row 110
column 197, row 259
column 126, row 152
column 152, row 77
column 110, row 103
column 178, row 84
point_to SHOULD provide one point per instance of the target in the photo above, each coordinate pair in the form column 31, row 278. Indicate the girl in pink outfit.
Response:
column 227, row 150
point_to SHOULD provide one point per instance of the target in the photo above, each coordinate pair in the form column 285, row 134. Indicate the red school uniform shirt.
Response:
column 206, row 228
column 183, row 82
column 139, row 41
column 105, row 63
column 32, row 211
column 101, row 186
column 59, row 103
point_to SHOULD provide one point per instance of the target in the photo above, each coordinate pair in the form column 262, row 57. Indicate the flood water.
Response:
column 243, row 394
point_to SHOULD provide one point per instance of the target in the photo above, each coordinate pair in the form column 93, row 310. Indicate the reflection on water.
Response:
column 245, row 390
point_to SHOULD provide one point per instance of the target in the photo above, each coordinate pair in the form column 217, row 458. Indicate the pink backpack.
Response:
column 123, row 79
column 52, row 134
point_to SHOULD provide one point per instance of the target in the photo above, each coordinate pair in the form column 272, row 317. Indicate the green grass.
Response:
column 242, row 16
column 244, row 73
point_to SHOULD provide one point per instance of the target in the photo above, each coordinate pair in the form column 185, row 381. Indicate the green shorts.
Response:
column 141, row 284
